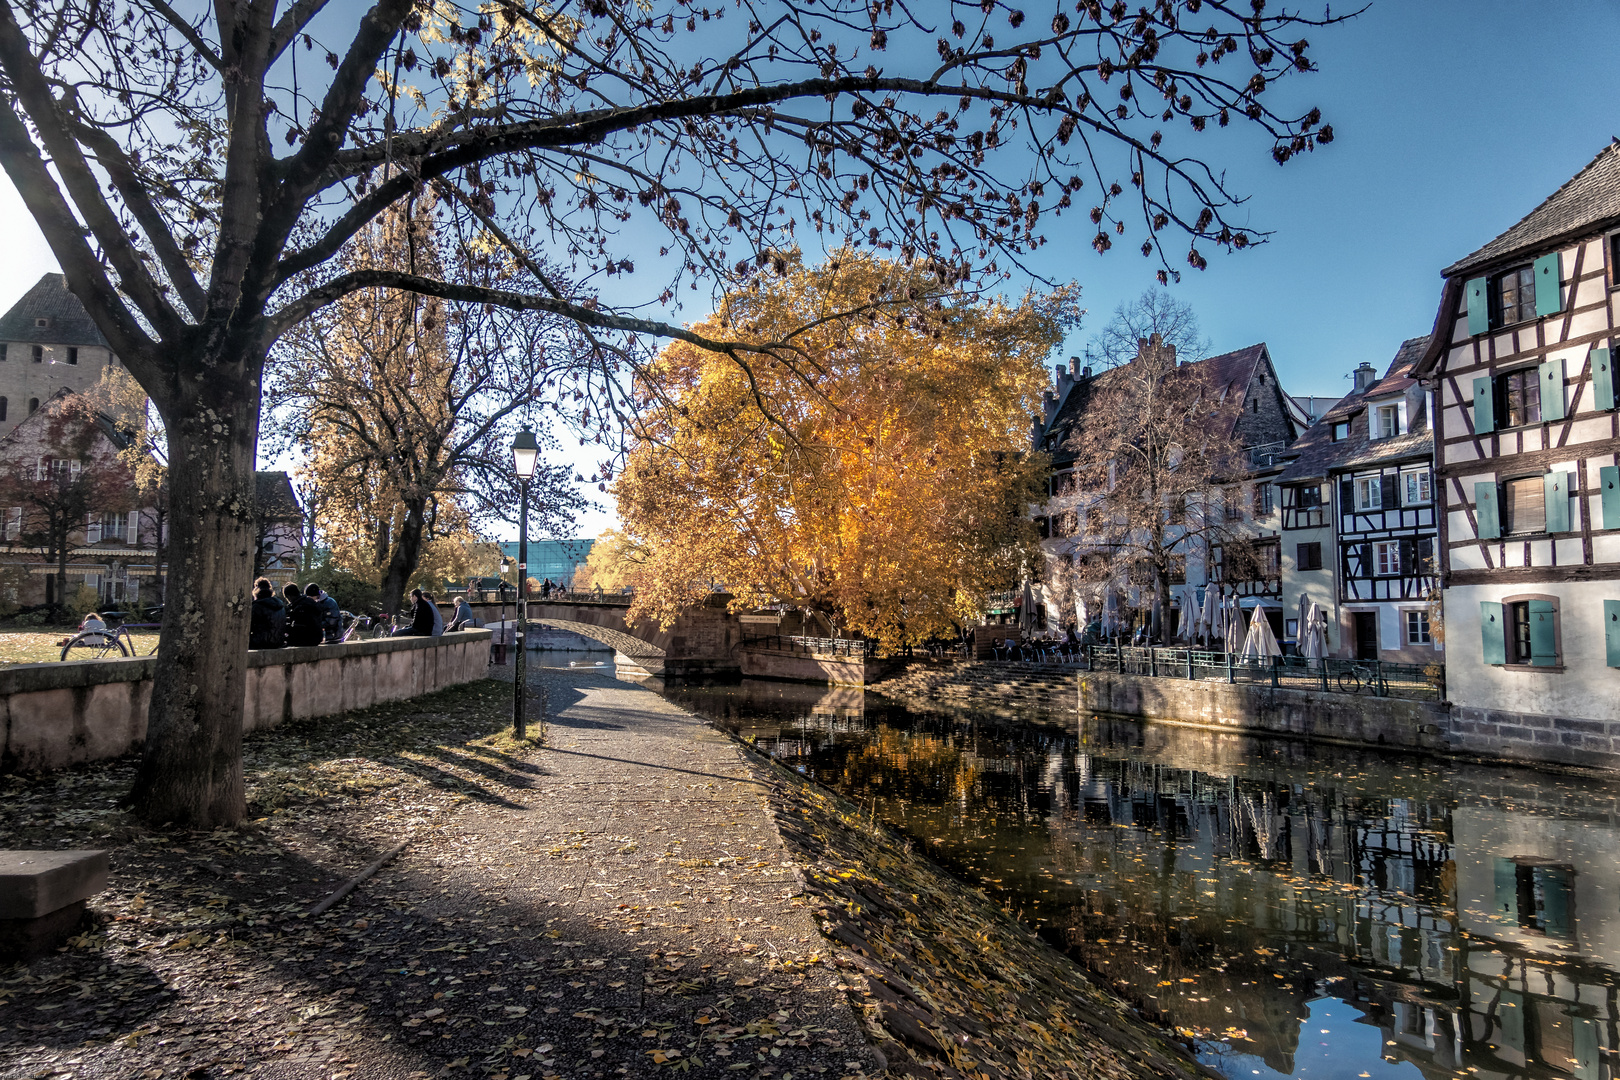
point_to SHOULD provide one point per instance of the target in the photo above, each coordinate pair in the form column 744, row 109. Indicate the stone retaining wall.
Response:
column 805, row 667
column 56, row 715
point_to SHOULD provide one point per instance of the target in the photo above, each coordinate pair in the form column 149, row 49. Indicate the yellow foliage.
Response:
column 872, row 464
column 612, row 563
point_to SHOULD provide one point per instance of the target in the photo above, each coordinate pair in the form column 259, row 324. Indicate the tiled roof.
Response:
column 277, row 501
column 1590, row 198
column 1318, row 454
column 1229, row 372
column 67, row 323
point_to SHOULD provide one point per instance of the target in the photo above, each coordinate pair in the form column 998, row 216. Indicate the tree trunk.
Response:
column 406, row 553
column 191, row 770
column 61, row 574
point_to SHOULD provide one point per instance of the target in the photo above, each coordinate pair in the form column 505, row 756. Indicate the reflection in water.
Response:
column 1309, row 911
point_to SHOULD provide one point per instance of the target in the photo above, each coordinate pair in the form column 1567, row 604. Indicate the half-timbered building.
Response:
column 1359, row 526
column 1265, row 423
column 1528, row 475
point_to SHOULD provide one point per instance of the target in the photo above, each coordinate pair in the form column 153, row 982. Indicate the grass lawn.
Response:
column 38, row 646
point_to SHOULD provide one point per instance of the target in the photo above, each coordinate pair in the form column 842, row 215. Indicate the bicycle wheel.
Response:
column 93, row 645
column 1350, row 682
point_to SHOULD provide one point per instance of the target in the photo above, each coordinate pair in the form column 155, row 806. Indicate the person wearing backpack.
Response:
column 331, row 616
column 268, row 626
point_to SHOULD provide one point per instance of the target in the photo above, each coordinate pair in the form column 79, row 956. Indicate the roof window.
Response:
column 42, row 321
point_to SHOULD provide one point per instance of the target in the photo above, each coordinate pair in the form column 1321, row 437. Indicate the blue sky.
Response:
column 1453, row 118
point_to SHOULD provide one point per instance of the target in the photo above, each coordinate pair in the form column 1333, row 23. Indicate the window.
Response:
column 1521, row 631
column 1233, row 499
column 1308, row 497
column 4, row 349
column 2, row 408
column 33, row 403
column 1341, row 431
column 1513, row 296
column 1386, row 421
column 42, row 322
column 1387, row 558
column 1417, row 628
column 1520, row 398
column 73, row 354
column 115, row 527
column 1265, row 501
column 39, row 354
column 1369, row 493
column 1415, row 484
column 1525, row 506
column 14, row 522
column 1177, row 509
column 1308, row 556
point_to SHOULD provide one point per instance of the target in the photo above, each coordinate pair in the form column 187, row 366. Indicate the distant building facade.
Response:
column 48, row 342
column 1359, row 522
column 551, row 560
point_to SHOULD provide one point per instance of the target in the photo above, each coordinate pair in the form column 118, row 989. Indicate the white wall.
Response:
column 1586, row 688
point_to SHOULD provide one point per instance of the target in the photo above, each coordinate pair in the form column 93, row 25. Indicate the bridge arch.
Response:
column 630, row 653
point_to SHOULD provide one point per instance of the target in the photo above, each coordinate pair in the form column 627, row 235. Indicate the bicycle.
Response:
column 1354, row 677
column 101, row 644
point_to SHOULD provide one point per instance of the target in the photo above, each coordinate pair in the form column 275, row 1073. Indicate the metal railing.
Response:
column 811, row 646
column 1376, row 678
column 557, row 596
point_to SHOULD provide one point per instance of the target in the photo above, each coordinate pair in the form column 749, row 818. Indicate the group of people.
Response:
column 305, row 616
column 309, row 616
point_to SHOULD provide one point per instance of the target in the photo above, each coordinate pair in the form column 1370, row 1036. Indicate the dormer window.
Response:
column 1513, row 296
column 42, row 322
column 1386, row 421
column 1341, row 431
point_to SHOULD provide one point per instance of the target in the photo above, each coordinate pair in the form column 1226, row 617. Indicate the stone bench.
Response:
column 42, row 897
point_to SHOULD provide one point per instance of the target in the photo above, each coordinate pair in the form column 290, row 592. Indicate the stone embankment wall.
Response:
column 805, row 667
column 56, row 715
column 1351, row 719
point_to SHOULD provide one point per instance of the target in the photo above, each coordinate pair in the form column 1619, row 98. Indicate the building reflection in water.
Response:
column 1239, row 889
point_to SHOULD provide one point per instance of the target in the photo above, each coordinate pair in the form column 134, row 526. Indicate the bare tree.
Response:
column 1154, row 312
column 1154, row 447
column 196, row 169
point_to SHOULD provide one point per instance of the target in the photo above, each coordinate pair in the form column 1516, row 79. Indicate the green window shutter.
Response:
column 1549, row 276
column 1602, row 379
column 1553, row 884
column 1585, row 1036
column 1552, row 390
column 1609, row 481
column 1510, row 1016
column 1611, row 631
column 1506, row 905
column 1543, row 634
column 1484, row 407
column 1490, row 524
column 1557, row 486
column 1492, row 632
column 1479, row 309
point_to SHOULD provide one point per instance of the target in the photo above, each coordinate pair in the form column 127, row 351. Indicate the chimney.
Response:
column 1049, row 404
column 1365, row 376
column 1065, row 379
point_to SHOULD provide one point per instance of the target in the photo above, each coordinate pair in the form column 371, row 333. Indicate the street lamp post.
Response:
column 525, row 454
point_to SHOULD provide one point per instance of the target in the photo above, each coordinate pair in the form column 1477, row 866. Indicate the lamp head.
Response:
column 525, row 454
column 505, row 566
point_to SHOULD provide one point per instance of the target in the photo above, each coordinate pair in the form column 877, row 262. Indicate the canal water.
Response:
column 1293, row 910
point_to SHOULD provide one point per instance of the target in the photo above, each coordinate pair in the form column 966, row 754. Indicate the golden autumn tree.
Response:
column 879, row 479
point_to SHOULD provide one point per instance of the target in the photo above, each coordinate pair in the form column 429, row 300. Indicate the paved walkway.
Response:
column 657, row 914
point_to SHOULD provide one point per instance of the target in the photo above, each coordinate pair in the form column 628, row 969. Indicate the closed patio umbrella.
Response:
column 1313, row 633
column 1305, row 603
column 1234, row 625
column 1260, row 642
column 1211, row 613
column 1189, row 614
column 1110, row 614
column 1082, row 616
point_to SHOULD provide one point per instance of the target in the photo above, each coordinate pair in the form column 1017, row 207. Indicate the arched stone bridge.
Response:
column 703, row 641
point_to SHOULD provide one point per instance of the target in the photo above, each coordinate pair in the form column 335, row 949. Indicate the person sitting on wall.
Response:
column 423, row 615
column 331, row 615
column 268, row 628
column 303, row 618
column 462, row 616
